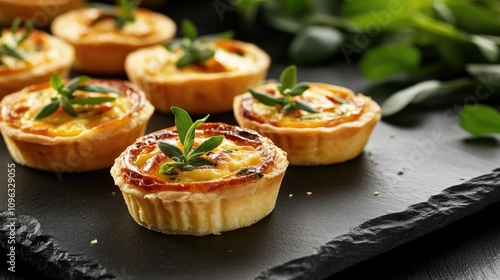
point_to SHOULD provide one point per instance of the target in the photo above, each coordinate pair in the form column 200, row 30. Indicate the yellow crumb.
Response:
column 376, row 193
column 290, row 195
column 93, row 242
column 309, row 193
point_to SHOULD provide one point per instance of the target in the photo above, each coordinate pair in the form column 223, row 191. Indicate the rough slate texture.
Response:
column 383, row 233
column 44, row 253
column 365, row 241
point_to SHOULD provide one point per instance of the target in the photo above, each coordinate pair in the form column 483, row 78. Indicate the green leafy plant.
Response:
column 289, row 88
column 428, row 43
column 67, row 98
column 480, row 120
column 194, row 48
column 188, row 158
column 11, row 49
column 124, row 14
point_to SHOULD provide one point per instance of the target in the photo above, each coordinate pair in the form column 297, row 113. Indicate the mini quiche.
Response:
column 315, row 123
column 40, row 11
column 104, row 35
column 30, row 57
column 201, row 76
column 231, row 186
column 81, row 126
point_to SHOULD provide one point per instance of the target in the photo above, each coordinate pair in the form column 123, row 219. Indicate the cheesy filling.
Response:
column 36, row 50
column 162, row 62
column 62, row 124
column 229, row 159
column 88, row 25
column 332, row 106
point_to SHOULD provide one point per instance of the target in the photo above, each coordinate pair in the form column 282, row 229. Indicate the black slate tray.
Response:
column 427, row 173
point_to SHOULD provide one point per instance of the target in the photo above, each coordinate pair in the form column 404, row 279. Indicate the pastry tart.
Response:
column 35, row 59
column 238, row 189
column 200, row 87
column 102, row 41
column 57, row 141
column 41, row 12
column 337, row 131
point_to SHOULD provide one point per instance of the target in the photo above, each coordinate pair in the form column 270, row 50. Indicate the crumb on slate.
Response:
column 290, row 195
column 309, row 193
column 93, row 242
column 376, row 193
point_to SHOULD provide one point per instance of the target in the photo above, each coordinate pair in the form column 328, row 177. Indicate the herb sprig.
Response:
column 289, row 88
column 11, row 50
column 67, row 99
column 124, row 14
column 188, row 158
column 194, row 48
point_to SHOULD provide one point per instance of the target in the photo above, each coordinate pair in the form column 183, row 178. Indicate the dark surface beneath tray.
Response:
column 326, row 218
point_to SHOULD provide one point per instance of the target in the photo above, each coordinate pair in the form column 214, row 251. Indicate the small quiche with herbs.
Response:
column 231, row 186
column 81, row 126
column 319, row 124
column 201, row 76
column 104, row 35
column 30, row 57
column 40, row 11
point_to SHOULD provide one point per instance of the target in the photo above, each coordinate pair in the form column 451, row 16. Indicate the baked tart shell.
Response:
column 317, row 145
column 93, row 149
column 40, row 11
column 203, row 212
column 197, row 94
column 106, row 54
column 16, row 80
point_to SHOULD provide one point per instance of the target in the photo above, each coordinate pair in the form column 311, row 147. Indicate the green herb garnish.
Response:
column 10, row 49
column 194, row 48
column 124, row 14
column 188, row 158
column 289, row 88
column 480, row 120
column 67, row 99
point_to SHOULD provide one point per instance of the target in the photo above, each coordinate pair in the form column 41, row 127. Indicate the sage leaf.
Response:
column 190, row 134
column 305, row 107
column 384, row 61
column 288, row 78
column 56, row 82
column 169, row 150
column 189, row 29
column 265, row 98
column 92, row 100
column 99, row 88
column 400, row 99
column 182, row 121
column 201, row 162
column 207, row 145
column 299, row 89
column 480, row 120
column 47, row 110
column 315, row 44
column 488, row 48
column 68, row 108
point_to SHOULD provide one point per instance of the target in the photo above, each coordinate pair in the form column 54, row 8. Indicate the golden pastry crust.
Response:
column 56, row 144
column 337, row 134
column 239, row 191
column 40, row 11
column 100, row 47
column 45, row 55
column 198, row 89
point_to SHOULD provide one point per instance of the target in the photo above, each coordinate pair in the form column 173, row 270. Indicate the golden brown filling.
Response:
column 335, row 106
column 243, row 156
column 90, row 22
column 19, row 111
column 36, row 50
column 230, row 55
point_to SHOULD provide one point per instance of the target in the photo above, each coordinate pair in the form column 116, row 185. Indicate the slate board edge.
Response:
column 368, row 240
column 386, row 232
